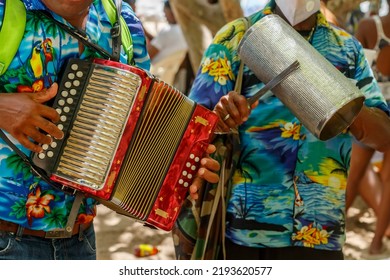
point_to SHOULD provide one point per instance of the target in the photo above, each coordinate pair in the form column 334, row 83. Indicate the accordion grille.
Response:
column 98, row 126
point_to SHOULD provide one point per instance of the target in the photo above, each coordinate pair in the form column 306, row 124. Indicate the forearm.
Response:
column 372, row 128
column 360, row 160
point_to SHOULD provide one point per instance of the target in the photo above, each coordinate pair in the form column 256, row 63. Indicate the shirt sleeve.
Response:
column 366, row 81
column 141, row 57
column 216, row 75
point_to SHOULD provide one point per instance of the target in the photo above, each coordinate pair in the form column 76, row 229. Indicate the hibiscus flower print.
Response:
column 37, row 205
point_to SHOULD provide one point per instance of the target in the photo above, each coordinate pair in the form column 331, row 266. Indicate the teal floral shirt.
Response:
column 43, row 51
column 289, row 187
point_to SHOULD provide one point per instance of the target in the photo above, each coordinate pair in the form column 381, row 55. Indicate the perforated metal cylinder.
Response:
column 322, row 98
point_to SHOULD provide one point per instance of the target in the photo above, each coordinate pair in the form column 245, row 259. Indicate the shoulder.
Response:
column 230, row 31
column 129, row 16
column 343, row 39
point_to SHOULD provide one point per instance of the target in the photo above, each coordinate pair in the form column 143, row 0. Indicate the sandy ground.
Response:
column 117, row 235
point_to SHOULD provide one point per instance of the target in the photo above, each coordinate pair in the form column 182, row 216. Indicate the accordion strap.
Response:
column 34, row 169
column 116, row 32
column 225, row 174
column 61, row 233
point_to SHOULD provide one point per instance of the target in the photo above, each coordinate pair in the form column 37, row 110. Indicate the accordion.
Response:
column 132, row 142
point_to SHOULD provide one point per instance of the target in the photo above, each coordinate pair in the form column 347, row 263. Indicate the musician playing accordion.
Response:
column 38, row 220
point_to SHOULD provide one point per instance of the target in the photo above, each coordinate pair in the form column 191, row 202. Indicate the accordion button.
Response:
column 79, row 74
column 41, row 155
column 181, row 181
column 74, row 67
column 50, row 154
column 53, row 145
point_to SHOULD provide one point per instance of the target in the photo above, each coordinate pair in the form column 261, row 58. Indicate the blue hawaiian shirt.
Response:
column 43, row 51
column 289, row 187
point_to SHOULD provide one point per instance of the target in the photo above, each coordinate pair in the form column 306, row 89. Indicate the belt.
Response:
column 14, row 228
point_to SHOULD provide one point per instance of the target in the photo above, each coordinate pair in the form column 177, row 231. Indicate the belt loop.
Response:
column 19, row 233
column 81, row 231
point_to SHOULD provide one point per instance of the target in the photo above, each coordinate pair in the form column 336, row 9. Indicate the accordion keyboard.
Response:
column 94, row 104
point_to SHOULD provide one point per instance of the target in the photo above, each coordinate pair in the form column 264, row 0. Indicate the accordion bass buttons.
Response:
column 189, row 170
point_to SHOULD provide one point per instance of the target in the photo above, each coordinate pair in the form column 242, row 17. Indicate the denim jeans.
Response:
column 78, row 247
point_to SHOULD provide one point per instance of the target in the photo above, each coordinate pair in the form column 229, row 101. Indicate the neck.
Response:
column 78, row 20
column 75, row 13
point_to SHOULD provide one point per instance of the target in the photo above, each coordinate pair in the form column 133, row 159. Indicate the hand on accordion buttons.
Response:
column 25, row 116
column 207, row 171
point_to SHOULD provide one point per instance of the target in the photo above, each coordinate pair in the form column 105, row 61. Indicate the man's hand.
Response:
column 24, row 116
column 207, row 172
column 233, row 110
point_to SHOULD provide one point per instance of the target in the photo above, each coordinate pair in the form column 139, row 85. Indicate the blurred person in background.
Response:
column 370, row 170
column 168, row 40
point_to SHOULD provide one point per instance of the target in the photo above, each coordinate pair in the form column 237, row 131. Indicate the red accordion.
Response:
column 131, row 141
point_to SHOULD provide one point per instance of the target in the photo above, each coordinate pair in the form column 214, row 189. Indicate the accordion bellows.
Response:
column 131, row 141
